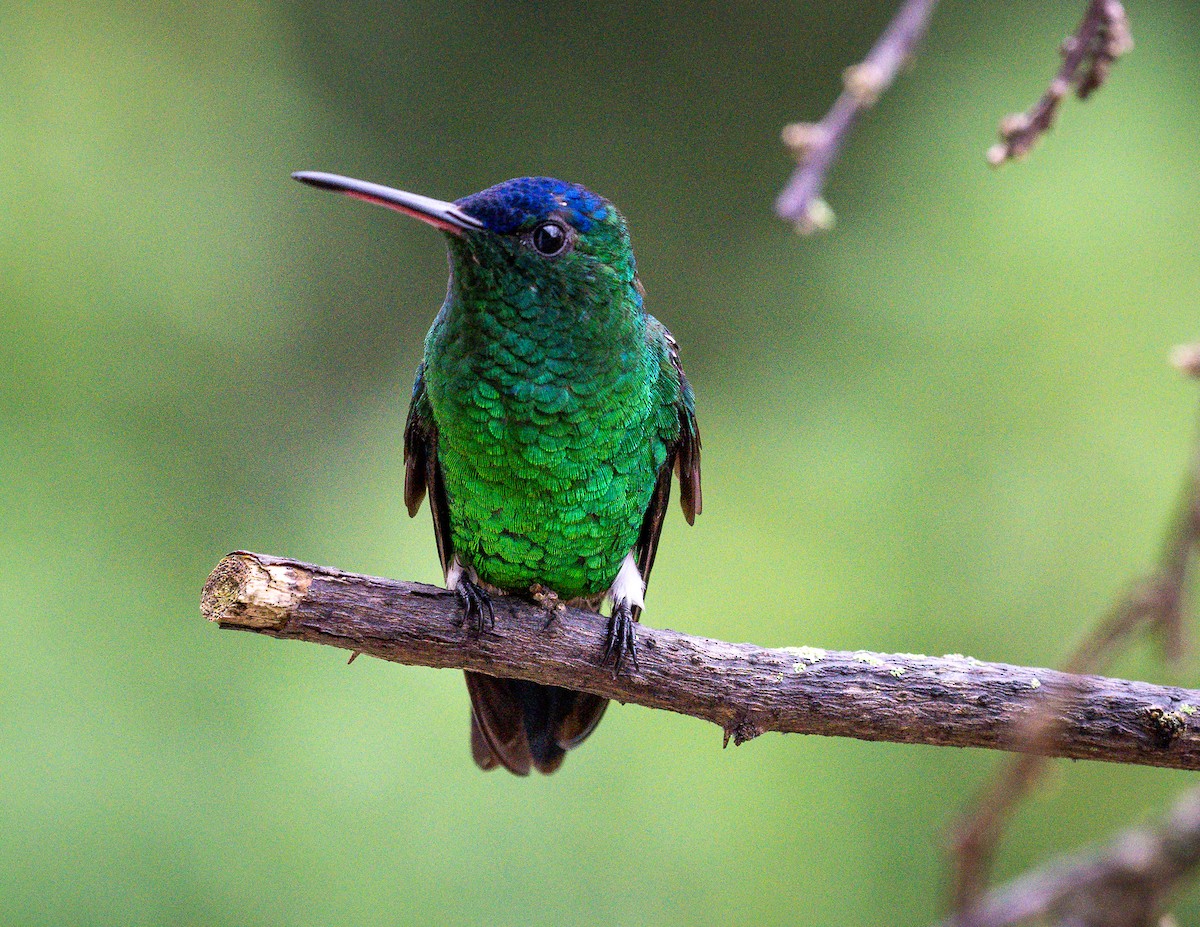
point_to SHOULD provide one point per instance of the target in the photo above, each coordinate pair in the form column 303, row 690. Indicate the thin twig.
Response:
column 746, row 690
column 1088, row 55
column 1157, row 602
column 816, row 145
column 1129, row 883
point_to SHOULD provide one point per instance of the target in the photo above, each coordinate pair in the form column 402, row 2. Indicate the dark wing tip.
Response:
column 414, row 484
column 415, row 477
column 687, row 470
column 693, row 498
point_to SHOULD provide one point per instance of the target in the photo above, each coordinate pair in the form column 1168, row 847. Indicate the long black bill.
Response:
column 439, row 214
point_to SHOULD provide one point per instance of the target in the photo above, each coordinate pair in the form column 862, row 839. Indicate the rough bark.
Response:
column 747, row 690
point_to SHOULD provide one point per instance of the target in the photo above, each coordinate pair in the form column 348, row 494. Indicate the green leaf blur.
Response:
column 948, row 426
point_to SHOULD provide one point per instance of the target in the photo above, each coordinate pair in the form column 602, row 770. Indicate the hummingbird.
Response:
column 548, row 416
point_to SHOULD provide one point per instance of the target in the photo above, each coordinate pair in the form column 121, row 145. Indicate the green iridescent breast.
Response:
column 550, row 442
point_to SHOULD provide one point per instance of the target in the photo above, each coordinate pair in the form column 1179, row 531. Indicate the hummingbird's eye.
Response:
column 549, row 239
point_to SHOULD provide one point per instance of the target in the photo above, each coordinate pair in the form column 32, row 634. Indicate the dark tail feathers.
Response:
column 522, row 725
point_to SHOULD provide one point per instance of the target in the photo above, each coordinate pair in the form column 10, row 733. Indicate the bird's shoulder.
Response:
column 673, row 386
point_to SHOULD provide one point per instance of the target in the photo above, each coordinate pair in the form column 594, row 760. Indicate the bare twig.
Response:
column 1088, row 56
column 1129, row 883
column 1157, row 601
column 747, row 690
column 816, row 145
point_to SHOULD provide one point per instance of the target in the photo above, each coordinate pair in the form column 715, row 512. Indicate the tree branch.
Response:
column 816, row 145
column 1088, row 55
column 745, row 689
column 1129, row 883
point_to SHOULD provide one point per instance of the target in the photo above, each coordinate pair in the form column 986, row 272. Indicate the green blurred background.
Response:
column 948, row 426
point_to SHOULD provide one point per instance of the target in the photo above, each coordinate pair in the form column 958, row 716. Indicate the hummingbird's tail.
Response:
column 519, row 725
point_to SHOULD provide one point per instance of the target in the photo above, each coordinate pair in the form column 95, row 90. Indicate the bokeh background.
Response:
column 948, row 426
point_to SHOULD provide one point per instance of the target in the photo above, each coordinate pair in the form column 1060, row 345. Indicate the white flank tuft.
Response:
column 628, row 586
column 454, row 574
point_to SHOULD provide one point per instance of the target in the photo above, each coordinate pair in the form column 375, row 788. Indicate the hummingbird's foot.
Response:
column 549, row 601
column 622, row 643
column 477, row 612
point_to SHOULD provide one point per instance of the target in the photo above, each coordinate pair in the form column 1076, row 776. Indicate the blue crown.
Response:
column 517, row 205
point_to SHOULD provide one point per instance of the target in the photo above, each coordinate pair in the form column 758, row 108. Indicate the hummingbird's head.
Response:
column 531, row 234
column 548, row 228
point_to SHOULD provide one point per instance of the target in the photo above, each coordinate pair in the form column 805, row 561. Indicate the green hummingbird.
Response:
column 548, row 415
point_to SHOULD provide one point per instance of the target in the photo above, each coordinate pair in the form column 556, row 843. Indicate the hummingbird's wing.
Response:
column 683, row 452
column 422, row 473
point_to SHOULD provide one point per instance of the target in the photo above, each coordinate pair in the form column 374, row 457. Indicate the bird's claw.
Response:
column 622, row 642
column 477, row 612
